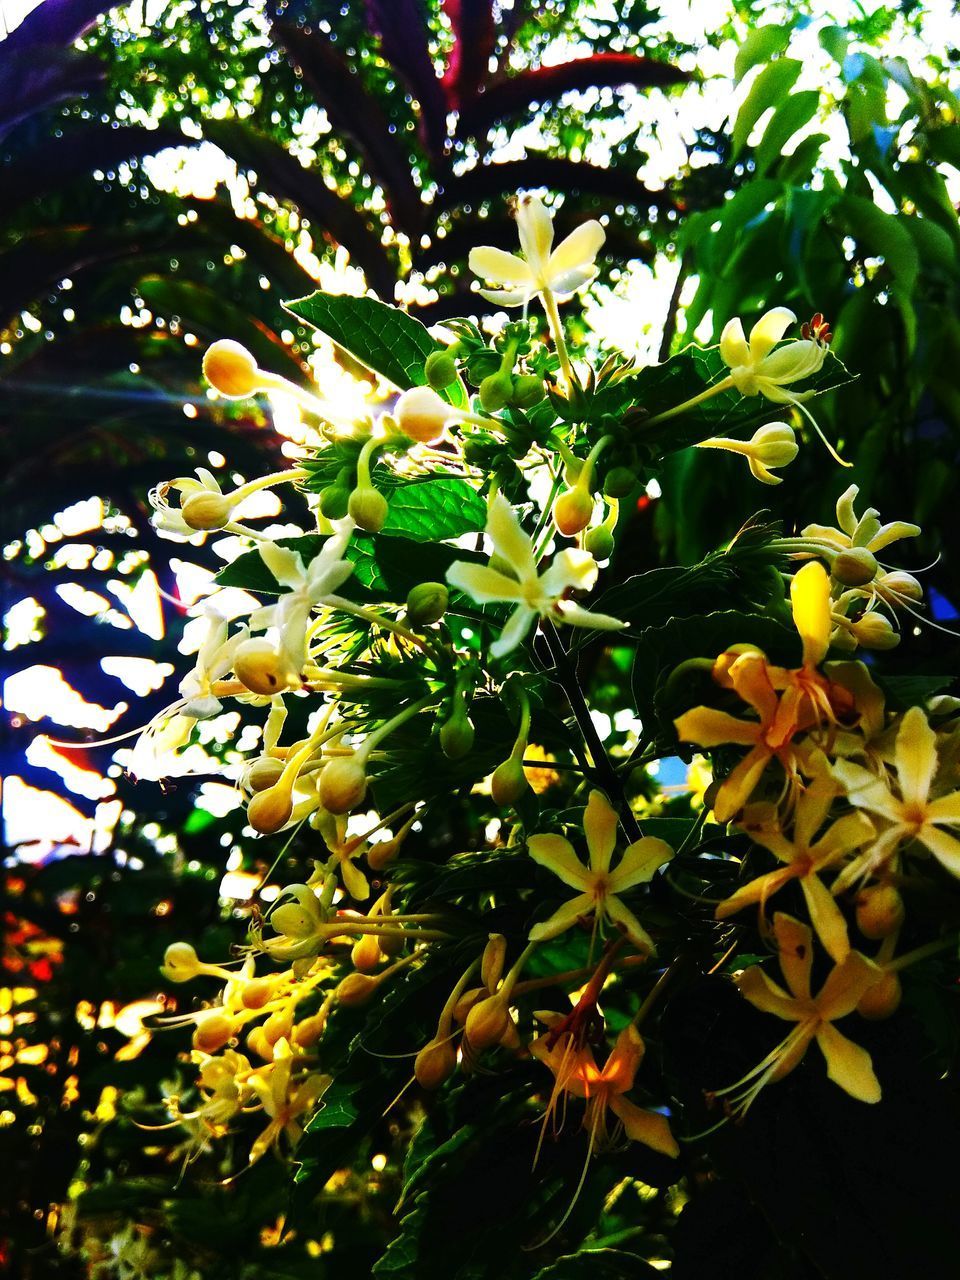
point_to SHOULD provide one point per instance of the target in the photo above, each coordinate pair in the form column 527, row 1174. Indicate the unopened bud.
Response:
column 213, row 1032
column 335, row 502
column 357, row 988
column 496, row 391
column 492, row 960
column 309, row 1031
column 258, row 1043
column 381, row 854
column 882, row 999
column 278, row 1026
column 573, row 511
column 619, row 482
column 270, row 810
column 368, row 508
column 206, row 510
column 180, row 962
column 509, row 783
column 257, row 993
column 854, row 567
column 880, row 910
column 435, row 1064
column 487, row 1023
column 262, row 773
column 599, row 542
column 427, row 603
column 231, row 370
column 874, row 631
column 422, row 415
column 366, row 953
column 263, row 670
column 457, row 734
column 528, row 390
column 898, row 586
column 441, row 369
column 343, row 784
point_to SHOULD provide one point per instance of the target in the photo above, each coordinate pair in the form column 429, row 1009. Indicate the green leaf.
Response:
column 884, row 235
column 788, row 119
column 337, row 1109
column 385, row 339
column 772, row 84
column 903, row 692
column 598, row 1264
column 761, row 44
column 435, row 509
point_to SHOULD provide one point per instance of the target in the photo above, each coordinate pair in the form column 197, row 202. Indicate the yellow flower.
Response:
column 804, row 856
column 760, row 367
column 864, row 531
column 533, row 593
column 848, row 1065
column 904, row 803
column 598, row 886
column 284, row 1100
column 576, row 1072
column 542, row 269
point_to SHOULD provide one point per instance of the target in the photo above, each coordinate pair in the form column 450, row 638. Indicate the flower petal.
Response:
column 600, row 827
column 826, row 917
column 710, row 728
column 795, row 952
column 916, row 757
column 945, row 848
column 639, row 863
column 624, row 1061
column 484, row 584
column 574, row 615
column 848, row 1065
column 506, row 297
column 571, row 570
column 557, row 855
column 509, row 539
column 733, row 345
column 648, row 1127
column 562, row 919
column 764, row 994
column 810, row 601
column 768, row 331
column 535, row 228
column 845, row 985
column 515, row 631
column 579, row 249
column 566, row 285
column 500, row 267
column 621, row 915
column 739, row 785
column 758, row 890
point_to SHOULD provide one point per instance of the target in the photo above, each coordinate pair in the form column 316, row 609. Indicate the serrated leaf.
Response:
column 384, row 338
column 435, row 509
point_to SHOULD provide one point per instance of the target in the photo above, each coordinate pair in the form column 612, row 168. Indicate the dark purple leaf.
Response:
column 402, row 28
column 474, row 35
column 490, row 181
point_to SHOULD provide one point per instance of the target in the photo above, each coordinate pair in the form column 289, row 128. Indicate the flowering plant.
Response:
column 415, row 737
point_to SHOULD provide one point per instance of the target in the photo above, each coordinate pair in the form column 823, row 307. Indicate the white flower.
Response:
column 533, row 593
column 760, row 367
column 308, row 586
column 542, row 269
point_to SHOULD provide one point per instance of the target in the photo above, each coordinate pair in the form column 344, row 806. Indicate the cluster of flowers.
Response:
column 842, row 793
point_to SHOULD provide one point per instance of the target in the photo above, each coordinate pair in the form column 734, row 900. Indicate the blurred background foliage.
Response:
column 169, row 174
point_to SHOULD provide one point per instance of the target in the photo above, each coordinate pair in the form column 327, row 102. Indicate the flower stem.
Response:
column 606, row 773
column 723, row 385
column 560, row 342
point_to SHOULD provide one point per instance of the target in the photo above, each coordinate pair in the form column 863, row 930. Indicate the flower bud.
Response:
column 262, row 773
column 492, row 961
column 422, row 415
column 270, row 810
column 573, row 511
column 368, row 508
column 427, row 603
column 619, row 482
column 509, row 783
column 257, row 993
column 457, row 734
column 343, row 784
column 854, row 567
column 180, row 962
column 880, row 910
column 205, row 510
column 527, row 391
column 357, row 989
column 487, row 1023
column 230, row 369
column 381, row 854
column 897, row 586
column 496, row 391
column 366, row 953
column 263, row 670
column 435, row 1064
column 599, row 542
column 258, row 1043
column 882, row 999
column 308, row 1032
column 212, row 1033
column 874, row 631
column 335, row 502
column 774, row 445
column 441, row 369
column 278, row 1026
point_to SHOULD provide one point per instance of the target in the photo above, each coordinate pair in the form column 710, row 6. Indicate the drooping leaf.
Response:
column 768, row 90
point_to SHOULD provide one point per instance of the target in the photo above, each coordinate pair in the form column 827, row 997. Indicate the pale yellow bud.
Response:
column 880, row 910
column 262, row 774
column 343, row 784
column 278, row 1026
column 874, row 631
column 309, row 1031
column 492, row 961
column 508, row 783
column 206, row 510
column 882, row 999
column 180, row 962
column 366, row 953
column 231, row 370
column 435, row 1064
column 573, row 511
column 855, row 567
column 898, row 586
column 258, row 1043
column 257, row 993
column 487, row 1023
column 422, row 415
column 357, row 989
column 263, row 670
column 213, row 1032
column 270, row 810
